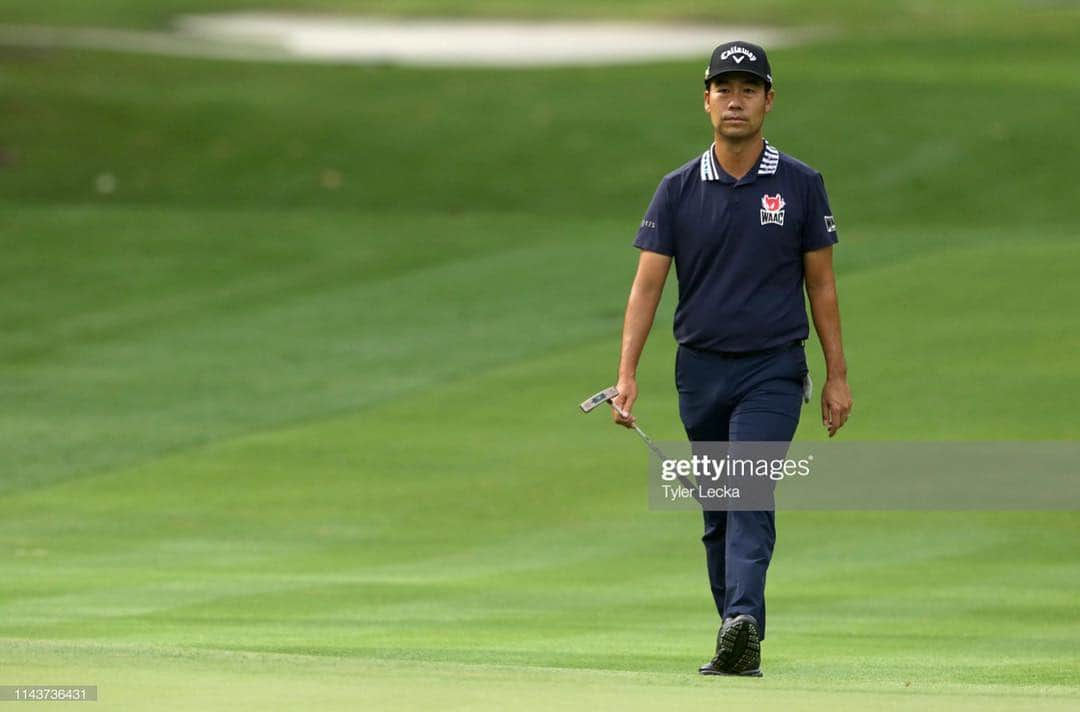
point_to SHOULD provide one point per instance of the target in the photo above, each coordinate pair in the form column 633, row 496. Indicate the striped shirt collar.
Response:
column 767, row 165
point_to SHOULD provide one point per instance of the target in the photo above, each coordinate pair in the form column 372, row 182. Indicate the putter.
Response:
column 607, row 396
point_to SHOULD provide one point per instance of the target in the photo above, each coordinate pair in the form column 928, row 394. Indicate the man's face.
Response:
column 736, row 104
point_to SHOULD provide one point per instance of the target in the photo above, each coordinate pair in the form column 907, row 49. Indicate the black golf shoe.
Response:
column 738, row 649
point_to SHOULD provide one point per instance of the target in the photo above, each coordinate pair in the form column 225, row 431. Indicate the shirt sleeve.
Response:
column 656, row 233
column 819, row 230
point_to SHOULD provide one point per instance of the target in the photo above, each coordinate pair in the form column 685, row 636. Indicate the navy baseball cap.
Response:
column 739, row 57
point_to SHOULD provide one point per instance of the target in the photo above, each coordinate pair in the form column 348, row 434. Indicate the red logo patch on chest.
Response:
column 772, row 209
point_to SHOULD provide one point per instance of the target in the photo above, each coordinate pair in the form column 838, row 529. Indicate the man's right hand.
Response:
column 625, row 401
column 640, row 310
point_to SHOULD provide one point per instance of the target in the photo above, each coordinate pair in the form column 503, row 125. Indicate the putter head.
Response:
column 602, row 397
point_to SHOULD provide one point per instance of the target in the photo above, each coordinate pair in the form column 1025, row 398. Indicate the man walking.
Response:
column 746, row 226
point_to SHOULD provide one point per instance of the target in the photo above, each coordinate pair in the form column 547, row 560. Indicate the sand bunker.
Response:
column 277, row 37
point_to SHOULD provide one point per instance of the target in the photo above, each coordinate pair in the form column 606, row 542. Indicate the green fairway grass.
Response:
column 288, row 416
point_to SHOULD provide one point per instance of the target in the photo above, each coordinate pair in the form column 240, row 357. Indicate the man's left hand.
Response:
column 835, row 404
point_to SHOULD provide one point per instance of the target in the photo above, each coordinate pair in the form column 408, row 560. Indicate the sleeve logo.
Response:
column 830, row 224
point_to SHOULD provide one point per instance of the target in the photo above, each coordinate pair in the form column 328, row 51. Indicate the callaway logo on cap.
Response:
column 739, row 57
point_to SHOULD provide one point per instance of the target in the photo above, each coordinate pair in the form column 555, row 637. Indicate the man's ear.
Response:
column 769, row 96
column 706, row 100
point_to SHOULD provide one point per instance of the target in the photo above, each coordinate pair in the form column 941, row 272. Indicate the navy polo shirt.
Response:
column 738, row 248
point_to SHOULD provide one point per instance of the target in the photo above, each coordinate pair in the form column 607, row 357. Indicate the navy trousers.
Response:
column 750, row 398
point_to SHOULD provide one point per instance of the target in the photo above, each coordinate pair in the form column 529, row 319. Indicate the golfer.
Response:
column 746, row 226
